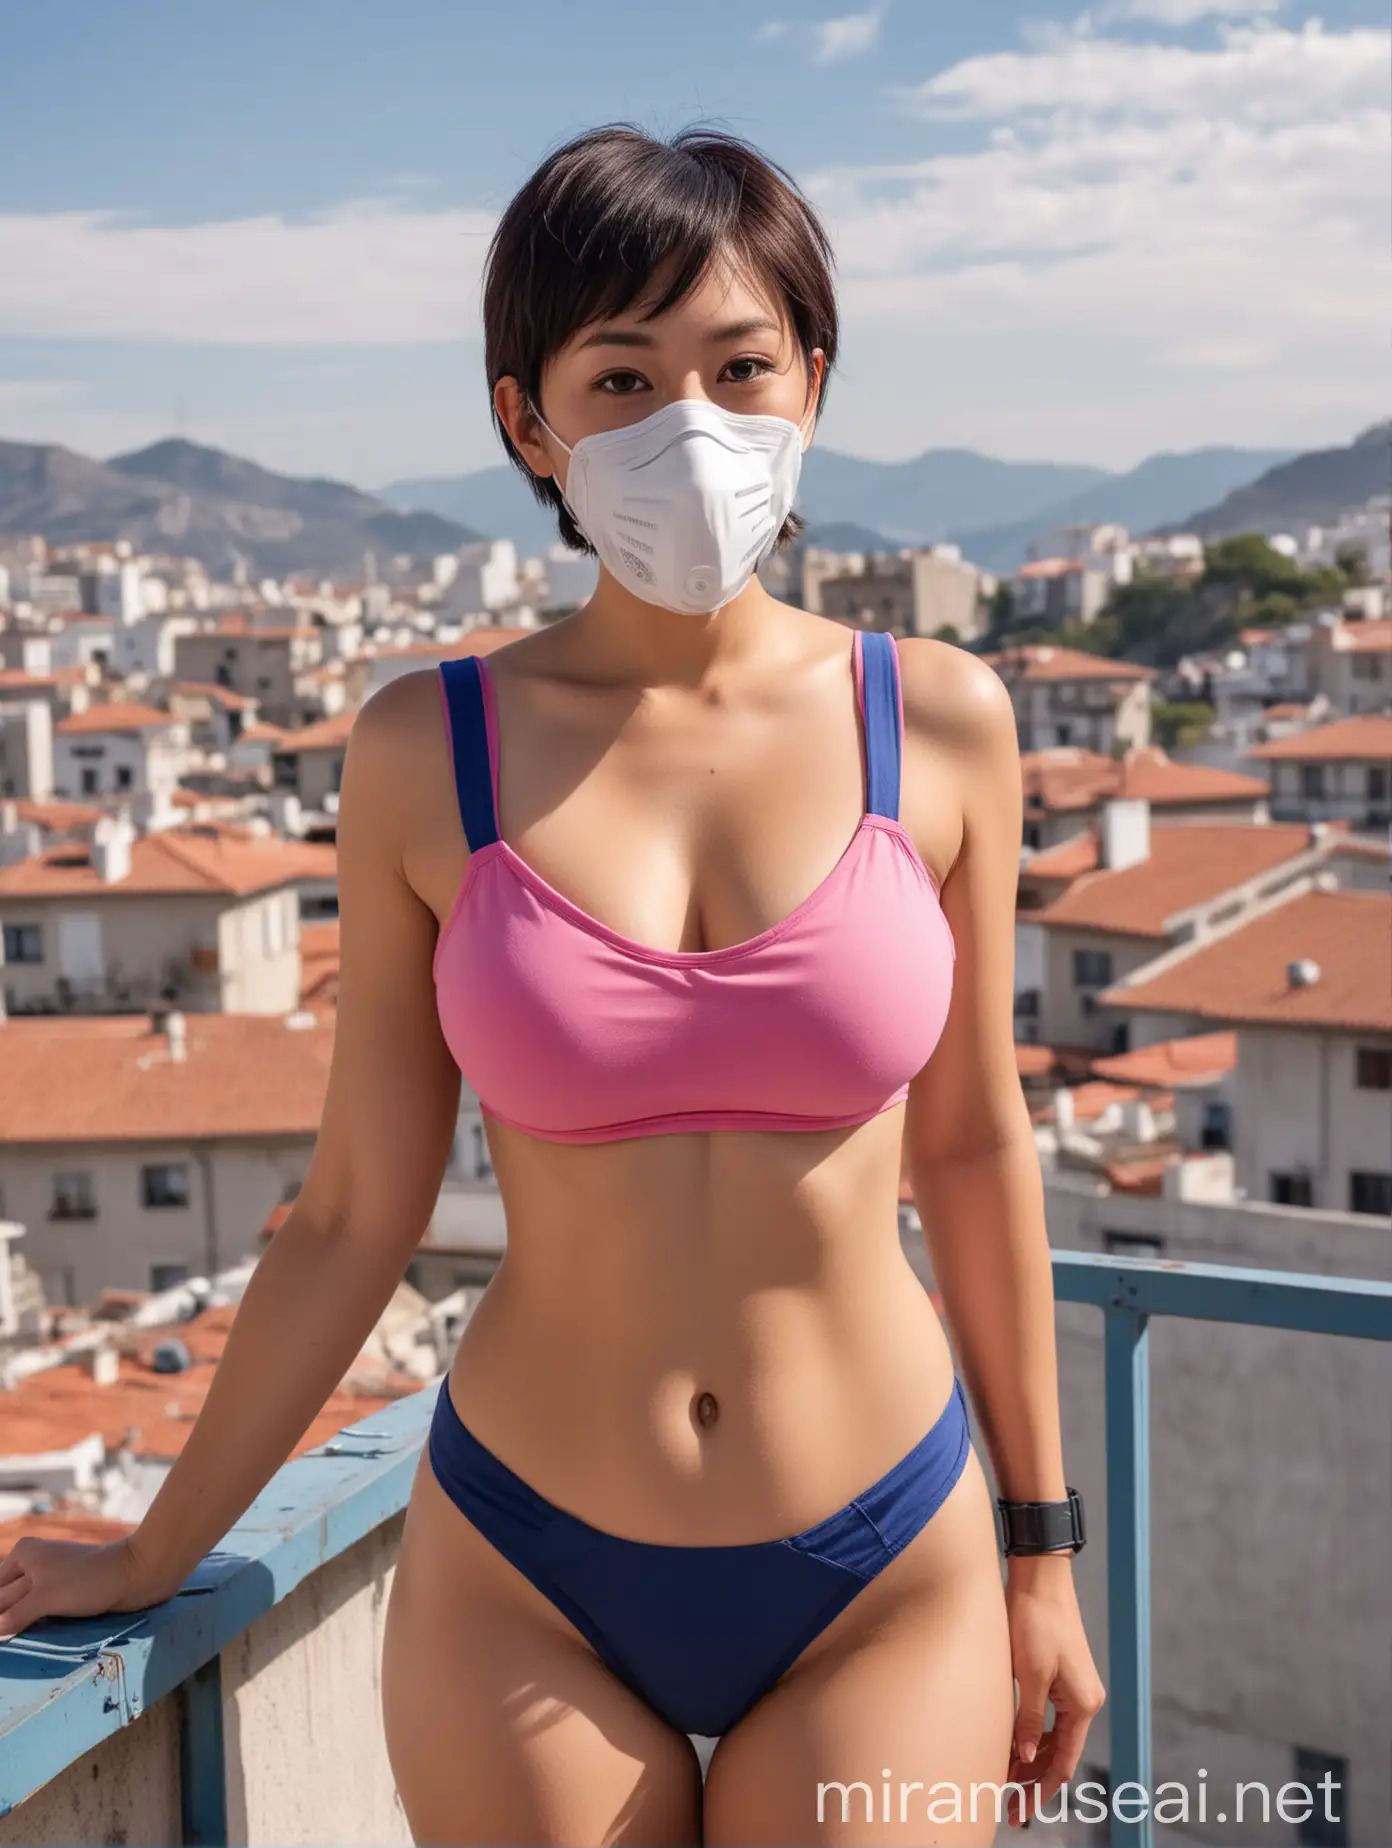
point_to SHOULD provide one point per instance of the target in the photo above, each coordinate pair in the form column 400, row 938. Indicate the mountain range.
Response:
column 179, row 497
column 183, row 497
column 993, row 509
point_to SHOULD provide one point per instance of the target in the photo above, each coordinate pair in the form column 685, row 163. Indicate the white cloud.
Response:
column 1262, row 72
column 771, row 30
column 848, row 37
column 1178, row 13
column 1171, row 217
column 19, row 394
column 366, row 274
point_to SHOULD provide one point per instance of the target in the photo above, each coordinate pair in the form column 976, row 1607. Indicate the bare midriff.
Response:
column 704, row 1339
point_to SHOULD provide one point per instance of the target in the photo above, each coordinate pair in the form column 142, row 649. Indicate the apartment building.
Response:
column 916, row 592
column 121, row 750
column 138, row 1150
column 268, row 664
column 1097, row 908
column 1338, row 772
column 1066, row 785
column 26, row 748
column 1307, row 986
column 1063, row 696
column 308, row 763
column 1350, row 664
column 215, row 716
column 1051, row 591
column 62, row 689
column 205, row 917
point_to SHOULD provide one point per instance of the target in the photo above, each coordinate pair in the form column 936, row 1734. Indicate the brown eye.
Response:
column 747, row 377
column 620, row 384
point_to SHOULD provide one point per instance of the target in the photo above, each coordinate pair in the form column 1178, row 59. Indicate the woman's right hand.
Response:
column 73, row 1578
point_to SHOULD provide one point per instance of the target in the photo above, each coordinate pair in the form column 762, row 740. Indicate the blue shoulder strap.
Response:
column 473, row 774
column 880, row 680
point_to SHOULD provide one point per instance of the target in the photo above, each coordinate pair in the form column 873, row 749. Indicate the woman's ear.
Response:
column 525, row 434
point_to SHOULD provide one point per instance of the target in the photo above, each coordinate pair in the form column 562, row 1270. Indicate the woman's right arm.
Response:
column 330, row 1269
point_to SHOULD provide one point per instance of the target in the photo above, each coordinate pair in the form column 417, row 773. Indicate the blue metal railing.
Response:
column 1129, row 1291
column 66, row 1686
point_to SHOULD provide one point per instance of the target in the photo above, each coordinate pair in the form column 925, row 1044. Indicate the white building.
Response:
column 1340, row 772
column 120, row 750
column 26, row 748
column 485, row 581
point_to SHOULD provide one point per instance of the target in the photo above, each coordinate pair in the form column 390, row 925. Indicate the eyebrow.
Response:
column 632, row 337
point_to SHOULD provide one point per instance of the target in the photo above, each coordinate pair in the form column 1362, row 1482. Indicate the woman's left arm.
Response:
column 974, row 1170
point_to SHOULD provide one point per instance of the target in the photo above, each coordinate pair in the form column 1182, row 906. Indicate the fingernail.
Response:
column 1027, row 1753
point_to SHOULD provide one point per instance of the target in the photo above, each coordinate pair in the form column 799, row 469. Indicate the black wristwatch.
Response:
column 1042, row 1526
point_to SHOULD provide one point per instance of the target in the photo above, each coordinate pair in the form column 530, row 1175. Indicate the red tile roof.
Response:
column 1189, row 865
column 202, row 857
column 1048, row 568
column 1092, row 1099
column 1245, row 976
column 55, row 816
column 110, row 1079
column 1173, row 1064
column 1067, row 778
column 1368, row 737
column 1033, row 1061
column 117, row 716
column 220, row 696
column 319, row 963
column 1045, row 661
column 57, row 1408
column 327, row 735
column 1368, row 637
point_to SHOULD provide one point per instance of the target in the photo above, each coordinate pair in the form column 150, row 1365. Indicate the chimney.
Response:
column 176, row 1032
column 19, row 840
column 111, row 848
column 102, row 1364
column 1064, row 1113
column 1125, row 832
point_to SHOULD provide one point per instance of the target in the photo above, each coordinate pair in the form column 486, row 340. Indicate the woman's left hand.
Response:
column 1051, row 1661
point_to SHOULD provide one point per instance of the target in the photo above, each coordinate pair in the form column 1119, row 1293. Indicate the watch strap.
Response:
column 1042, row 1526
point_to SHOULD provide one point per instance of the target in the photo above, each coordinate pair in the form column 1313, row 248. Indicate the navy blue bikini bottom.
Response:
column 698, row 1632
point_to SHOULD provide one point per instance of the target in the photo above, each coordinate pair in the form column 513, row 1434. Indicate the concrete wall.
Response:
column 1271, row 1471
column 220, row 954
column 1062, row 1018
column 1297, row 1107
column 1347, row 792
column 26, row 748
column 262, row 666
column 302, row 1730
column 232, row 1188
column 90, row 765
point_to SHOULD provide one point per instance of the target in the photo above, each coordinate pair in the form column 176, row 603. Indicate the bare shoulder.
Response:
column 392, row 725
column 954, row 699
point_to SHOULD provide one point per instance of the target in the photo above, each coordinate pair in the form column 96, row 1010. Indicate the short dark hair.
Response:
column 584, row 237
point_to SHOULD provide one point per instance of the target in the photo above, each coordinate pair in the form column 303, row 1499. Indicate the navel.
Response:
column 707, row 1410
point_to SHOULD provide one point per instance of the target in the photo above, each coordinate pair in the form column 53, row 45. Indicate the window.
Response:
column 1327, row 1824
column 125, row 777
column 1377, row 783
column 91, row 782
column 1121, row 1038
column 1371, row 1193
column 483, row 1165
column 24, row 943
column 164, row 1184
column 1032, row 832
column 1134, row 1244
column 1291, row 1190
column 1373, row 1065
column 73, row 1197
column 166, row 1276
column 1063, row 734
column 1092, row 968
column 286, row 771
column 1312, row 782
column 1027, row 1004
column 1216, row 1128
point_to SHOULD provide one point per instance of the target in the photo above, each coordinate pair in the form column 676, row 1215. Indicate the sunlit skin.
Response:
column 687, row 780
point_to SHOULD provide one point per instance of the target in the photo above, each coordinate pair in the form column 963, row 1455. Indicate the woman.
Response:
column 713, row 902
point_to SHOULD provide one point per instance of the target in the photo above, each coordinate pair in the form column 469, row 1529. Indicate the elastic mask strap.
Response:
column 549, row 431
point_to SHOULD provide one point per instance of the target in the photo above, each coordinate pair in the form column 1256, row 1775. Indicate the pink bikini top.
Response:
column 570, row 1031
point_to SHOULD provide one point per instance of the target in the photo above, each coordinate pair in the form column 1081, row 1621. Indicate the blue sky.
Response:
column 1065, row 233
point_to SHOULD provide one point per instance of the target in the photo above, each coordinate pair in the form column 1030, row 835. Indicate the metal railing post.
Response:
column 1127, row 1353
column 203, row 1758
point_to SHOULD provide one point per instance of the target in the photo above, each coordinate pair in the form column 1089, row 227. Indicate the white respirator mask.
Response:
column 682, row 506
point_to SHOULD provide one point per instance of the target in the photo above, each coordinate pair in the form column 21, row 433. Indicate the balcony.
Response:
column 191, row 1722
